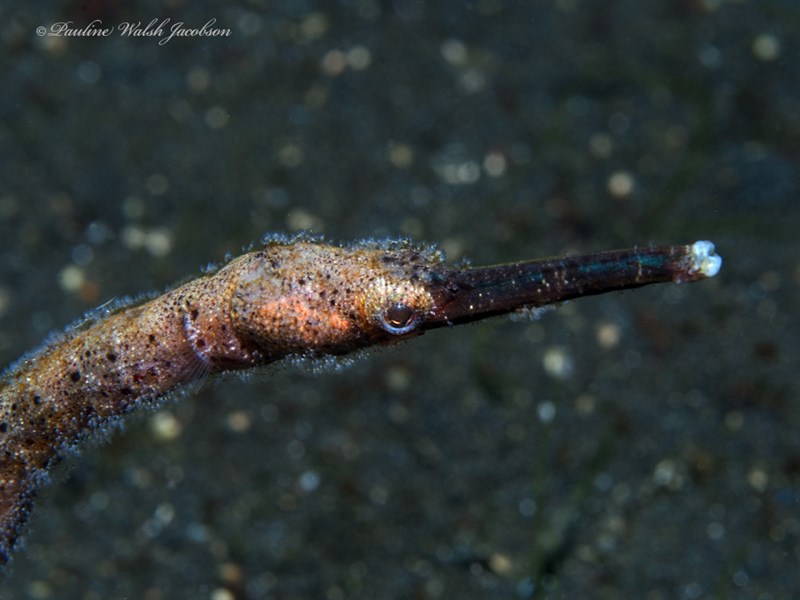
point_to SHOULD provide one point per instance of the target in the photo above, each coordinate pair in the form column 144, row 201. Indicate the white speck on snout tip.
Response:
column 704, row 259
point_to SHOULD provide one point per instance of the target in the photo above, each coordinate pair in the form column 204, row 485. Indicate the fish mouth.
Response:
column 465, row 295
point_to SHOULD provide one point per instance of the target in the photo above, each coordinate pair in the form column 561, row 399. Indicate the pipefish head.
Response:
column 307, row 297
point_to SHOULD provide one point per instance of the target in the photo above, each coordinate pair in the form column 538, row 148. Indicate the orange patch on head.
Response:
column 295, row 318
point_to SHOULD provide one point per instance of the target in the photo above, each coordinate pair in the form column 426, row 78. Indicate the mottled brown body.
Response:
column 291, row 298
column 91, row 375
column 302, row 298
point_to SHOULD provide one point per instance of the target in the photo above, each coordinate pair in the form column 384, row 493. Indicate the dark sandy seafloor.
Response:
column 636, row 445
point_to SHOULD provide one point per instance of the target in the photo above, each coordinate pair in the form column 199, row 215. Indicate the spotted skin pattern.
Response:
column 297, row 299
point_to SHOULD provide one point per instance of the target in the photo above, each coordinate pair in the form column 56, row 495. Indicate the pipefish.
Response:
column 297, row 297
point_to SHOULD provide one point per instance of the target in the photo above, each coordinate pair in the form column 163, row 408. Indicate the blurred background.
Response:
column 632, row 445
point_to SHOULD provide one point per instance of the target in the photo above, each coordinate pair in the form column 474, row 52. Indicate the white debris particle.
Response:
column 704, row 259
column 500, row 563
column 165, row 426
column 334, row 63
column 133, row 237
column 359, row 58
column 668, row 474
column 398, row 379
column 309, row 481
column 546, row 411
column 463, row 173
column 164, row 514
column 239, row 421
column 558, row 363
column 494, row 164
column 300, row 219
column 158, row 242
column 222, row 594
column 71, row 278
column 620, row 184
column 454, row 52
column 766, row 47
column 400, row 155
column 758, row 479
column 608, row 335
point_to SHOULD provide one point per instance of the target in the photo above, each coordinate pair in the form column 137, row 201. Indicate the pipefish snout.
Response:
column 291, row 298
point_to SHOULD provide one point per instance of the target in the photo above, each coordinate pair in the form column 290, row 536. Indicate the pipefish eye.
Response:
column 399, row 318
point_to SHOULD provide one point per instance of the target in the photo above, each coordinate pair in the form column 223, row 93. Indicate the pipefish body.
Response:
column 291, row 298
